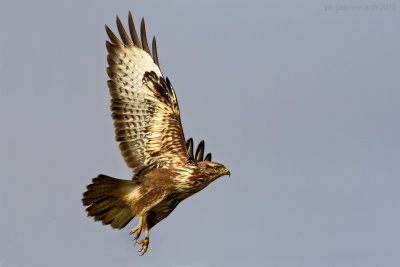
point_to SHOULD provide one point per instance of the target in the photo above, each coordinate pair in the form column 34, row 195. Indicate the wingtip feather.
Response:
column 144, row 36
column 189, row 145
column 125, row 38
column 112, row 36
column 200, row 151
column 132, row 31
column 154, row 48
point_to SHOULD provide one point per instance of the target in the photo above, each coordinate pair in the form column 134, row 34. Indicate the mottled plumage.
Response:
column 148, row 128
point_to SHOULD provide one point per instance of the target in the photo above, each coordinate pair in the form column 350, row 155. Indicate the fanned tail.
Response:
column 109, row 200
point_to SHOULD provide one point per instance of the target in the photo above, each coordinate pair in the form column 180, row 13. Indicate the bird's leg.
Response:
column 144, row 242
column 137, row 229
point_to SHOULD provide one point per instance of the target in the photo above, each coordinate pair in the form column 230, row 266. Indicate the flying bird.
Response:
column 149, row 131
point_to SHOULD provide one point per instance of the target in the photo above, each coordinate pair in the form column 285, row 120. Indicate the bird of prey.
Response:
column 148, row 128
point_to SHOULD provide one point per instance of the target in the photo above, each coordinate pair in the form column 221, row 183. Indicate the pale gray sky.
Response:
column 300, row 100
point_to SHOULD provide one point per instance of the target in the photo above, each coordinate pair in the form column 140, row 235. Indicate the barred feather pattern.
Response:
column 144, row 105
column 109, row 200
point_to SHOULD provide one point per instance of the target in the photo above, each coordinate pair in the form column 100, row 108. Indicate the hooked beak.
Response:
column 227, row 172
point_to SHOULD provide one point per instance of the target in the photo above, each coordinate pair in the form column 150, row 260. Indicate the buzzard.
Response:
column 148, row 128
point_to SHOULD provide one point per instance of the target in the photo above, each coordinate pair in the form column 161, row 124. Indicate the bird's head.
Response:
column 213, row 170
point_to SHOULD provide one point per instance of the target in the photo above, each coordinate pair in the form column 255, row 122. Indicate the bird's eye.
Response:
column 216, row 168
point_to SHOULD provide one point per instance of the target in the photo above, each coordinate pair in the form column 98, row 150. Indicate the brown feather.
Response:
column 189, row 145
column 132, row 30
column 154, row 48
column 200, row 151
column 125, row 38
column 112, row 36
column 104, row 198
column 144, row 37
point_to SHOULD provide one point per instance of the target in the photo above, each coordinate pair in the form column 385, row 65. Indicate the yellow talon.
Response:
column 145, row 244
column 136, row 230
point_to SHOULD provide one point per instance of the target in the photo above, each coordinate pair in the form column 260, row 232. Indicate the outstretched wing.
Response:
column 144, row 106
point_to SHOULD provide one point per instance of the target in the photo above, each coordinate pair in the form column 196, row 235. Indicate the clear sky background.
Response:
column 299, row 100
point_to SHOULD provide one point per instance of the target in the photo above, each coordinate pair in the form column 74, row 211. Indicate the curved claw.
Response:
column 140, row 241
column 145, row 244
column 133, row 230
column 136, row 230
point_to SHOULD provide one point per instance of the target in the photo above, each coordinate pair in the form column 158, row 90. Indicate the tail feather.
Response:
column 111, row 214
column 122, row 218
column 106, row 202
column 100, row 206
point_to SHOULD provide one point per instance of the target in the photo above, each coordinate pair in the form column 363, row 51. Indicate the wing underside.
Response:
column 144, row 105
